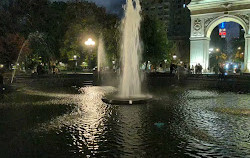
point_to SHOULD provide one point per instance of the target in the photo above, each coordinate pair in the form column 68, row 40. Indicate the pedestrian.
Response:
column 53, row 69
column 192, row 69
column 222, row 72
column 171, row 68
column 1, row 83
column 196, row 69
column 199, row 68
column 216, row 69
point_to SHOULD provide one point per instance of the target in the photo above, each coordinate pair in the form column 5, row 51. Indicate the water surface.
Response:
column 178, row 123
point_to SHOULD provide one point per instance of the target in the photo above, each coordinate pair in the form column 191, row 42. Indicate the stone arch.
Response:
column 205, row 16
column 225, row 18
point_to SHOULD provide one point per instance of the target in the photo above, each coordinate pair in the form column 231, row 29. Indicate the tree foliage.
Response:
column 217, row 58
column 157, row 47
column 10, row 47
column 64, row 27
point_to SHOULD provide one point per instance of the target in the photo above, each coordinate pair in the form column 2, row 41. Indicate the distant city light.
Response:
column 211, row 49
column 217, row 50
column 222, row 25
column 75, row 57
column 222, row 30
column 239, row 48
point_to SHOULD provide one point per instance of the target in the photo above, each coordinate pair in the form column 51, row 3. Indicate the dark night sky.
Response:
column 112, row 6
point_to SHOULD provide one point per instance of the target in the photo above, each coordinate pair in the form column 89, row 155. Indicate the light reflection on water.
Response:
column 192, row 126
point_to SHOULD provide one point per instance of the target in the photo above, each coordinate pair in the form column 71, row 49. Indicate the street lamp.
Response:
column 174, row 56
column 90, row 42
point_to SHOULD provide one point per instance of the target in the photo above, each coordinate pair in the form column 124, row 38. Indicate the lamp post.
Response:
column 113, row 62
column 165, row 61
column 75, row 58
column 89, row 43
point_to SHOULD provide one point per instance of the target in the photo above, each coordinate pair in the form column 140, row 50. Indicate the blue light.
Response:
column 222, row 25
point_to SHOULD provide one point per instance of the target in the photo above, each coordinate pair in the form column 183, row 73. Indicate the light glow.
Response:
column 90, row 42
column 174, row 56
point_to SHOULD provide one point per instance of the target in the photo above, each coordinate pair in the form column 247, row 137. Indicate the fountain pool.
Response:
column 58, row 122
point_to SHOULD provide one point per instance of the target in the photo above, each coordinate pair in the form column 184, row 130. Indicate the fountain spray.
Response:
column 130, row 83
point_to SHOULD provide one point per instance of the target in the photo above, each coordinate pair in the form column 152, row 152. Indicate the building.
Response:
column 176, row 17
column 157, row 8
column 207, row 15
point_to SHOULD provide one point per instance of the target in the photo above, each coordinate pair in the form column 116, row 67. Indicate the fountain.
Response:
column 19, row 54
column 130, row 83
column 35, row 35
column 101, row 57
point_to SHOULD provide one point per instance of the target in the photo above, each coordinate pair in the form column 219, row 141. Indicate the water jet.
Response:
column 130, row 82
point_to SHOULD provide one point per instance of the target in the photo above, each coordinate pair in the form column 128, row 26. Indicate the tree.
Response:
column 10, row 47
column 64, row 27
column 157, row 47
column 217, row 58
column 87, row 20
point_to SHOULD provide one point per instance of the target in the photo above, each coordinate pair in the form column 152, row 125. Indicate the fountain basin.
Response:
column 115, row 100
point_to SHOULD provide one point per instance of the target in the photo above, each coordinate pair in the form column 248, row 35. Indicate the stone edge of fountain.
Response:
column 126, row 101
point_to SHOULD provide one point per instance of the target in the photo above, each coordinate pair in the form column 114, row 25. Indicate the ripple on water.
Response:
column 191, row 128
